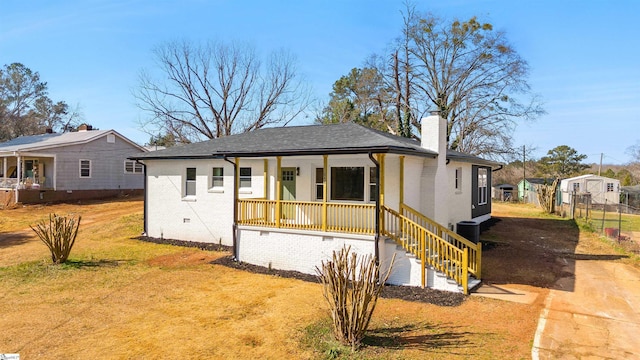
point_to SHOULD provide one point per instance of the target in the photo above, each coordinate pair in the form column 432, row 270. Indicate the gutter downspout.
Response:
column 235, row 207
column 377, row 215
column 146, row 201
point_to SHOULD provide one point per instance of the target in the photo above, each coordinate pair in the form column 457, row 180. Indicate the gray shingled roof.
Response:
column 49, row 141
column 345, row 138
column 462, row 157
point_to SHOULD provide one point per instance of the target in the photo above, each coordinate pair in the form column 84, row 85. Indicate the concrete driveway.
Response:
column 592, row 315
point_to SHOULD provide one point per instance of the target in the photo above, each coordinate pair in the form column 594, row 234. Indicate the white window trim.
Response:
column 315, row 182
column 134, row 165
column 458, row 180
column 80, row 169
column 245, row 189
column 483, row 200
column 216, row 189
column 365, row 185
column 185, row 196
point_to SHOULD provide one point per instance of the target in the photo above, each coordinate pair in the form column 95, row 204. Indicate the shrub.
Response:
column 351, row 286
column 59, row 235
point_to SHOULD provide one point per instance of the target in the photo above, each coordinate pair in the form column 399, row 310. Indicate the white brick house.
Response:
column 288, row 197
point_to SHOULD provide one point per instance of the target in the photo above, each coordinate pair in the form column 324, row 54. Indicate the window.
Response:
column 373, row 184
column 132, row 167
column 190, row 184
column 217, row 177
column 111, row 139
column 458, row 180
column 576, row 187
column 245, row 177
column 610, row 187
column 482, row 186
column 347, row 183
column 319, row 183
column 85, row 168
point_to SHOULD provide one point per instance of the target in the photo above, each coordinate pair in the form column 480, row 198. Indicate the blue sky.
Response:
column 584, row 55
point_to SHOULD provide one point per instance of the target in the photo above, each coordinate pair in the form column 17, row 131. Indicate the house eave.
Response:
column 293, row 152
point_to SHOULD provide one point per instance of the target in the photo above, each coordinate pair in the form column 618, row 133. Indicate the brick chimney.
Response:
column 83, row 127
column 435, row 194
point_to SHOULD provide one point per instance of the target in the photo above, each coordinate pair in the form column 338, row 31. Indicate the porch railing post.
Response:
column 423, row 257
column 324, row 192
column 278, row 190
column 465, row 271
column 479, row 261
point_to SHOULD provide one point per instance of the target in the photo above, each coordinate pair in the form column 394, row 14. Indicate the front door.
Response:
column 288, row 191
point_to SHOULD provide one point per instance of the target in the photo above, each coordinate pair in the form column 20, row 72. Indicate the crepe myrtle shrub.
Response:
column 59, row 234
column 351, row 286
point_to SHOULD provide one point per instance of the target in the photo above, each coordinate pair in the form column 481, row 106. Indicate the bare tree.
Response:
column 475, row 78
column 218, row 89
column 634, row 152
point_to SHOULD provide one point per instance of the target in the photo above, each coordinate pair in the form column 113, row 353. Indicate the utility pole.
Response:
column 600, row 168
column 524, row 174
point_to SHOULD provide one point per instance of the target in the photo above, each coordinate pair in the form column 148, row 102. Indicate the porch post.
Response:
column 266, row 179
column 18, row 177
column 324, row 192
column 4, row 168
column 19, row 168
column 401, row 183
column 278, row 190
column 381, row 160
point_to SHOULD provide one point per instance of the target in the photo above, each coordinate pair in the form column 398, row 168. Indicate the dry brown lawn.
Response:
column 123, row 298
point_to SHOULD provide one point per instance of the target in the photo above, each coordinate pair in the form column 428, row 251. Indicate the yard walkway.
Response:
column 594, row 315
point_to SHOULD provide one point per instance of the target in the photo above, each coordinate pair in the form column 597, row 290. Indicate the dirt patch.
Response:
column 187, row 258
column 530, row 248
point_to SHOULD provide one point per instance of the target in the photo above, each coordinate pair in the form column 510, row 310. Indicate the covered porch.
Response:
column 374, row 217
column 28, row 171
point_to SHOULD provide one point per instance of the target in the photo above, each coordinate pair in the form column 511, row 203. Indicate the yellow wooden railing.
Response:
column 307, row 215
column 430, row 248
column 475, row 250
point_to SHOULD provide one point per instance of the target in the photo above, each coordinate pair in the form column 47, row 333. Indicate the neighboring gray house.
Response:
column 69, row 166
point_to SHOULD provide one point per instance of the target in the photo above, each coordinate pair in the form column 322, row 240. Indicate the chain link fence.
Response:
column 617, row 221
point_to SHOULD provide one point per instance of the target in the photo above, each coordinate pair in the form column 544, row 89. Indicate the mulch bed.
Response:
column 408, row 293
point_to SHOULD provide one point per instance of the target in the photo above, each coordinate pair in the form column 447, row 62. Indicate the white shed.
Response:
column 602, row 189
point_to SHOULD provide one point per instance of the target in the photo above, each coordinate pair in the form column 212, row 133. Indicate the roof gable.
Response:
column 55, row 140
